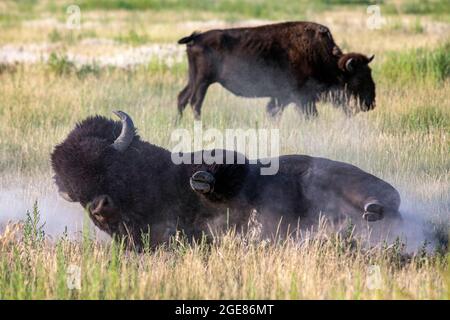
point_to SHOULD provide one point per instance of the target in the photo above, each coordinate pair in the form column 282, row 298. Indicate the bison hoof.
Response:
column 373, row 211
column 202, row 182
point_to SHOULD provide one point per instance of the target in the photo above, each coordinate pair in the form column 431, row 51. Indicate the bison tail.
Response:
column 189, row 39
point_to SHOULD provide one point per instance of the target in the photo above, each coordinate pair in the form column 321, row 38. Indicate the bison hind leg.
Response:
column 183, row 99
column 275, row 107
column 198, row 95
column 373, row 211
column 308, row 110
column 202, row 182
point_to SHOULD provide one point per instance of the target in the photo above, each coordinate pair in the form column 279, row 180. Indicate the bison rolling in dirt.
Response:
column 129, row 186
column 291, row 62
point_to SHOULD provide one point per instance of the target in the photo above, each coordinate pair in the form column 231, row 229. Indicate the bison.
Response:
column 129, row 186
column 291, row 62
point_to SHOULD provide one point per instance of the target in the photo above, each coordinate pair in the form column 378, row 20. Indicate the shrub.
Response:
column 60, row 64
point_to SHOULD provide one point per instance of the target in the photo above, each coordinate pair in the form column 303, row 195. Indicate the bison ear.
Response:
column 370, row 59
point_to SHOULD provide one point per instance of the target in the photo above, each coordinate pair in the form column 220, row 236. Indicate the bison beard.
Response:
column 291, row 62
column 129, row 186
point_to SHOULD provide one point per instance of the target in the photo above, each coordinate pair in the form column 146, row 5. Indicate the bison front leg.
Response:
column 305, row 100
column 307, row 109
column 197, row 98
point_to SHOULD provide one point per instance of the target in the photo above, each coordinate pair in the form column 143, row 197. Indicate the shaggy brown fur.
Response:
column 291, row 62
column 139, row 189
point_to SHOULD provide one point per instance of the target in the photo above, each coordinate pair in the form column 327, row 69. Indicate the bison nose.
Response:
column 100, row 205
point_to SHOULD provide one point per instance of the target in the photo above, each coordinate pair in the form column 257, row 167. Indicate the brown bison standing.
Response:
column 291, row 62
column 129, row 186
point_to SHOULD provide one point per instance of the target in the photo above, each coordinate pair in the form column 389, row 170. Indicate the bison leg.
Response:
column 306, row 105
column 308, row 109
column 373, row 210
column 197, row 98
column 376, row 199
column 183, row 99
column 305, row 100
column 202, row 182
column 274, row 108
column 349, row 190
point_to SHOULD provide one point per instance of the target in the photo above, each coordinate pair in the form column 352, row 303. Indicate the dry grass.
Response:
column 234, row 267
column 405, row 140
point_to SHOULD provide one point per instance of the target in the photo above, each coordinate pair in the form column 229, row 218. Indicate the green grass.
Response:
column 405, row 141
column 418, row 65
column 264, row 9
column 426, row 7
column 132, row 37
column 267, row 8
column 423, row 118
column 231, row 10
column 257, row 9
column 232, row 266
column 62, row 66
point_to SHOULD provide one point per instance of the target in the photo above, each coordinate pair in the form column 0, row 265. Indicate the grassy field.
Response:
column 405, row 141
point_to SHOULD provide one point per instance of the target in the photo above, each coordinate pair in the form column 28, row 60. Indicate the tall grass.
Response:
column 404, row 140
column 257, row 9
column 425, row 6
column 267, row 8
column 233, row 266
column 418, row 65
column 264, row 9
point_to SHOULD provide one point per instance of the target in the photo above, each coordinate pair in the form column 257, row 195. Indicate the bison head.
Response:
column 81, row 165
column 357, row 79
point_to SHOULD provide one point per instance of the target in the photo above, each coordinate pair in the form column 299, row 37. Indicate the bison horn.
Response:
column 371, row 58
column 127, row 134
column 348, row 65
